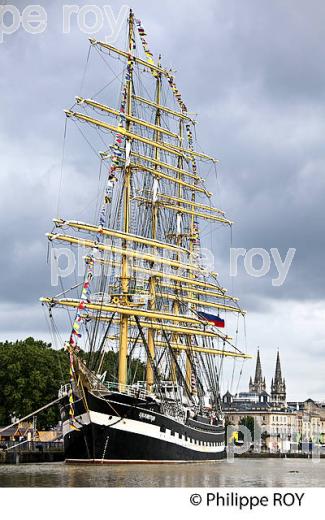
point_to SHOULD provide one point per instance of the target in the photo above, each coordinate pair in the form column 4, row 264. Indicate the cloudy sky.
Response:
column 253, row 72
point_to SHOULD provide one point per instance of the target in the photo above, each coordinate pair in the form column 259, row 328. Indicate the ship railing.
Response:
column 64, row 390
column 35, row 445
column 132, row 390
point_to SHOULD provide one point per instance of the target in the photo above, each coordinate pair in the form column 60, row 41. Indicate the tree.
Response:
column 109, row 364
column 31, row 373
column 249, row 423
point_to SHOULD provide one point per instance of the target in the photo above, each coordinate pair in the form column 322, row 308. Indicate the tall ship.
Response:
column 148, row 294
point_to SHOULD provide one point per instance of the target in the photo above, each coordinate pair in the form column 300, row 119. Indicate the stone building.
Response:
column 24, row 430
column 280, row 425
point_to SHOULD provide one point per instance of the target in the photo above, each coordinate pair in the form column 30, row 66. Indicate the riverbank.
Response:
column 30, row 457
column 37, row 457
column 262, row 455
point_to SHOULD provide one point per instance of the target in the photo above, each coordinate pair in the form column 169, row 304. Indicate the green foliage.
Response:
column 31, row 373
column 247, row 421
column 109, row 364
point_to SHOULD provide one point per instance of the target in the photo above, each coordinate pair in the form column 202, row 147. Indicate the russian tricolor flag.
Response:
column 211, row 318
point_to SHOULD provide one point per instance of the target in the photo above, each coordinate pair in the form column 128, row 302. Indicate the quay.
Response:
column 279, row 455
column 33, row 452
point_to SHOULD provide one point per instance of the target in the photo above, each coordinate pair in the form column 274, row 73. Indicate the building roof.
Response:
column 228, row 394
column 251, row 406
column 246, row 406
column 9, row 432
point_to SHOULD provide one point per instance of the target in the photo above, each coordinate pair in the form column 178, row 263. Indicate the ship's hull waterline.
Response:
column 120, row 429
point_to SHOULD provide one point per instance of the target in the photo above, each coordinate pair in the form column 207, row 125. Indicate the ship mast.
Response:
column 176, row 307
column 154, row 223
column 192, row 239
column 158, row 177
column 123, row 346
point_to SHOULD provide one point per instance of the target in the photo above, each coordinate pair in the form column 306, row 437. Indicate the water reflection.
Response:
column 242, row 473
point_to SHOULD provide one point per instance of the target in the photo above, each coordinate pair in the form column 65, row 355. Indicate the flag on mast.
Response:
column 211, row 318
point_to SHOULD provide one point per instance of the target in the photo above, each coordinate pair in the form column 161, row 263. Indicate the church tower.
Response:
column 258, row 385
column 278, row 385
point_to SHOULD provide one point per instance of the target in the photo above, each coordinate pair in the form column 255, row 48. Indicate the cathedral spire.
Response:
column 278, row 375
column 278, row 386
column 258, row 385
column 258, row 369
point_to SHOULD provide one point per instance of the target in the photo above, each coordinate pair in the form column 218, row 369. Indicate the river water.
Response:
column 241, row 473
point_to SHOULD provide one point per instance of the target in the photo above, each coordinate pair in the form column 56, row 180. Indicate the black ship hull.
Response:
column 125, row 429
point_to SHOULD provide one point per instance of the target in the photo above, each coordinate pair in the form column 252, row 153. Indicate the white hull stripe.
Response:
column 141, row 428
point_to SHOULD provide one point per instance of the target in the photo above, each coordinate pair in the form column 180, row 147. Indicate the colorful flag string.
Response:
column 70, row 396
column 196, row 242
column 144, row 42
column 150, row 60
column 190, row 145
column 72, row 345
column 117, row 149
column 84, row 299
column 177, row 93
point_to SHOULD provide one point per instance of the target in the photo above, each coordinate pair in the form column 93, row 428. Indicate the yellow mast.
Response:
column 177, row 285
column 193, row 237
column 152, row 279
column 123, row 346
column 189, row 357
